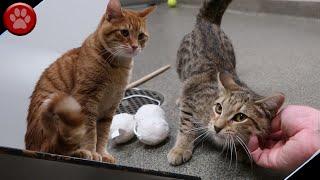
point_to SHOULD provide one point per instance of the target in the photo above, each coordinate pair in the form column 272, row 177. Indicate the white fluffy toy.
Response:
column 121, row 130
column 149, row 125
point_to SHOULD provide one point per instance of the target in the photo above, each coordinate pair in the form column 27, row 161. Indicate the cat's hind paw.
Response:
column 178, row 156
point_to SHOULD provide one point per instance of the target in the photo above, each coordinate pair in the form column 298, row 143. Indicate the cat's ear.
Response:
column 272, row 103
column 225, row 81
column 144, row 13
column 114, row 10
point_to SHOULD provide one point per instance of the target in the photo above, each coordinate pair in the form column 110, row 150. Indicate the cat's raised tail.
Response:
column 213, row 10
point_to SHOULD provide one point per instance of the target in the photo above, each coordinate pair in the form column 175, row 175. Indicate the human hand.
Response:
column 295, row 137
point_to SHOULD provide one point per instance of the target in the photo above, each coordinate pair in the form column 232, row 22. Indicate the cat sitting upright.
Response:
column 214, row 103
column 75, row 98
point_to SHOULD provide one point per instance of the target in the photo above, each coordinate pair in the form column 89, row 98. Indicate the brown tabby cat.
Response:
column 214, row 103
column 75, row 99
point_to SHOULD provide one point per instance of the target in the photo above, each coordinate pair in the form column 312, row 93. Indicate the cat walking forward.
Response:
column 75, row 98
column 214, row 103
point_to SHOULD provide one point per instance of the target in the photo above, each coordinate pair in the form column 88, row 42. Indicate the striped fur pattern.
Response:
column 75, row 98
column 214, row 103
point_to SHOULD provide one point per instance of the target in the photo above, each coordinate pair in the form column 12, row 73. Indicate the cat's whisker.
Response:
column 206, row 137
column 196, row 129
column 116, row 53
column 227, row 153
column 123, row 47
column 198, row 138
column 112, row 56
column 231, row 150
column 223, row 148
column 103, row 51
column 198, row 124
column 119, row 53
column 236, row 154
column 245, row 148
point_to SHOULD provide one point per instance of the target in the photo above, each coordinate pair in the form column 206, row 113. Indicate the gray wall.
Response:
column 304, row 8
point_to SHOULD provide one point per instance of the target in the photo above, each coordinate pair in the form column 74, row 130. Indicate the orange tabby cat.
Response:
column 75, row 99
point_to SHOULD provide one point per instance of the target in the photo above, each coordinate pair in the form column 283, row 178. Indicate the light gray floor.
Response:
column 274, row 53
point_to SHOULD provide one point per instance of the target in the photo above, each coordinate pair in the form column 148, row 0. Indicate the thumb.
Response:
column 255, row 149
column 259, row 156
column 253, row 143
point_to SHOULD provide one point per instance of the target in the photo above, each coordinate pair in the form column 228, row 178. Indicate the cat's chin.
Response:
column 218, row 140
column 129, row 55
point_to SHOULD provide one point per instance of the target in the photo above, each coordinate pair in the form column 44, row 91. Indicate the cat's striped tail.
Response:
column 61, row 114
column 213, row 10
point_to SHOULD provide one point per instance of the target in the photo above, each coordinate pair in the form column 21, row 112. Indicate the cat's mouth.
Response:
column 124, row 51
column 129, row 53
column 221, row 139
column 132, row 52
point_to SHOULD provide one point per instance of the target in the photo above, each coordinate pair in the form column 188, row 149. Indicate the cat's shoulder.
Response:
column 63, row 62
column 197, row 83
column 71, row 54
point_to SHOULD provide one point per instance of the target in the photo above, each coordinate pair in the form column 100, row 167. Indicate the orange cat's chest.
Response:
column 113, row 93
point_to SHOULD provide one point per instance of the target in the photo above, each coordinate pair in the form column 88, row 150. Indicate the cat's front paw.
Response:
column 96, row 156
column 178, row 156
column 108, row 158
column 85, row 154
column 82, row 153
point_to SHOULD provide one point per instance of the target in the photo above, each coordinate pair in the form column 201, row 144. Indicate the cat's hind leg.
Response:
column 64, row 122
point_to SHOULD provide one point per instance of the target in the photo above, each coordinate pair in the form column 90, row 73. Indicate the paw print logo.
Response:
column 19, row 19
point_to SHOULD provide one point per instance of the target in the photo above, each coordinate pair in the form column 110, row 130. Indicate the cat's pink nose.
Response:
column 134, row 47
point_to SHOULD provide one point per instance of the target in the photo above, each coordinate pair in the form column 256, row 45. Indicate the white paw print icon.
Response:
column 20, row 19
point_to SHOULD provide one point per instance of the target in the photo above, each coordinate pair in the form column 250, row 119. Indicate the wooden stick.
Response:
column 148, row 77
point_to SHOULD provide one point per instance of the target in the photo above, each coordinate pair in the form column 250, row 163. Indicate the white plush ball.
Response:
column 150, row 110
column 151, row 127
column 121, row 129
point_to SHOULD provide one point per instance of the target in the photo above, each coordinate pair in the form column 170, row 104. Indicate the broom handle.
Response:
column 148, row 77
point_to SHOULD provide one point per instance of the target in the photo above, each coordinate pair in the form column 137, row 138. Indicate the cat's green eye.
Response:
column 218, row 108
column 124, row 32
column 141, row 36
column 240, row 117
